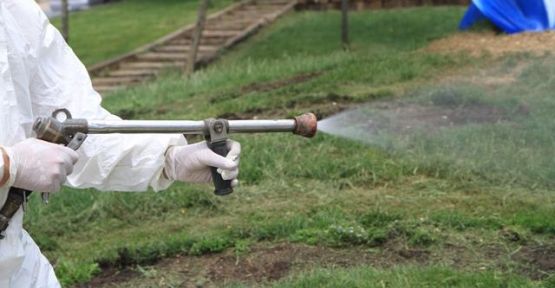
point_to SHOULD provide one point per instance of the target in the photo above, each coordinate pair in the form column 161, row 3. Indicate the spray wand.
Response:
column 61, row 128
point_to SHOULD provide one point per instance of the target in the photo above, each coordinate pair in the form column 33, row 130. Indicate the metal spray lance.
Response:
column 61, row 128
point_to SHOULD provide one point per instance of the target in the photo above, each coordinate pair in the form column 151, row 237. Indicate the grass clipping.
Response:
column 490, row 43
column 496, row 124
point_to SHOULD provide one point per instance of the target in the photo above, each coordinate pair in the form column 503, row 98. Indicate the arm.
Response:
column 106, row 162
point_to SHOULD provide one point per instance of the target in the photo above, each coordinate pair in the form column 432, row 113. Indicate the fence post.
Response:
column 345, row 23
column 65, row 20
column 197, row 35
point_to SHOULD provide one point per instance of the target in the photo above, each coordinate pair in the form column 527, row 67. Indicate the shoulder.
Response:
column 29, row 17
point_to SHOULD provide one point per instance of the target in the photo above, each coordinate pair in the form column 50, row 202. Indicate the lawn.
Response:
column 411, row 223
column 110, row 30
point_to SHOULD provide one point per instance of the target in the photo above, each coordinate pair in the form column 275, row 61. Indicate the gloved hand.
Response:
column 42, row 166
column 191, row 163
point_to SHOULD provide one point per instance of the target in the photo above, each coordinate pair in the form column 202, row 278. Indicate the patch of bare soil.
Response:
column 538, row 261
column 110, row 276
column 265, row 262
column 477, row 44
column 262, row 263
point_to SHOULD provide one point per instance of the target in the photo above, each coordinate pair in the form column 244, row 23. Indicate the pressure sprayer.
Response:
column 61, row 128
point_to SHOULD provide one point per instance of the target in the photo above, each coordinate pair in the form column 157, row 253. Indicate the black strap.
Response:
column 16, row 198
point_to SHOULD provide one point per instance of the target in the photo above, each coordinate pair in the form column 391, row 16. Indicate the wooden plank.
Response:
column 259, row 9
column 167, row 56
column 107, row 89
column 203, row 41
column 150, row 65
column 162, row 56
column 230, row 21
column 133, row 72
column 219, row 33
column 110, row 81
column 227, row 26
column 185, row 48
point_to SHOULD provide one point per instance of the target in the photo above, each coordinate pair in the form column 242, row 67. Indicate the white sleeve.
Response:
column 107, row 162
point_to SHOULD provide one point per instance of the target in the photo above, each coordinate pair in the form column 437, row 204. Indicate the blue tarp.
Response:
column 512, row 16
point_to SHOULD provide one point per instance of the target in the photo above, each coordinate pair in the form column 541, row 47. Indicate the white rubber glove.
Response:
column 42, row 166
column 191, row 163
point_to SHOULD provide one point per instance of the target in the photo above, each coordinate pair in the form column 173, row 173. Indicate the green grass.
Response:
column 374, row 68
column 371, row 33
column 117, row 28
column 404, row 277
column 327, row 191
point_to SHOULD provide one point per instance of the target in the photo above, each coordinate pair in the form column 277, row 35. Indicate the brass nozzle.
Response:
column 49, row 129
column 306, row 125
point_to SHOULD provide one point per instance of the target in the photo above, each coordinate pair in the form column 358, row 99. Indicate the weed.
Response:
column 338, row 235
column 241, row 247
column 147, row 272
column 422, row 237
column 210, row 245
column 458, row 221
column 377, row 219
column 540, row 220
column 311, row 236
column 549, row 282
column 72, row 272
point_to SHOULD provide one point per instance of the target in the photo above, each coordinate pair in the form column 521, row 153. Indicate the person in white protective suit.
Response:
column 38, row 74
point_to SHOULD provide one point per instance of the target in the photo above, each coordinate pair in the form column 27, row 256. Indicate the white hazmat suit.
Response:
column 40, row 73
